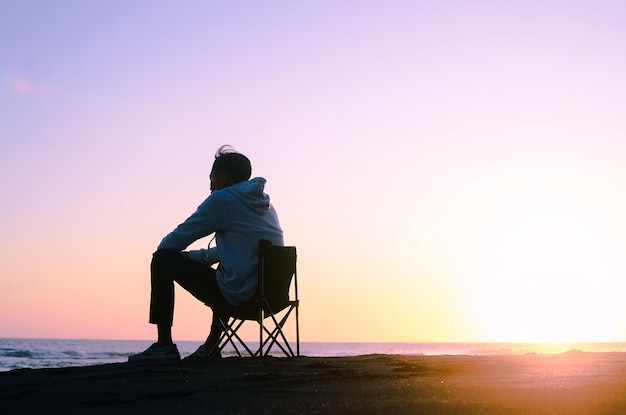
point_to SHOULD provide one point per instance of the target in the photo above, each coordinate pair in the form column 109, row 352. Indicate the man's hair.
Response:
column 227, row 160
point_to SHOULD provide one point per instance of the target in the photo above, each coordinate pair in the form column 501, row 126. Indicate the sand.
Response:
column 570, row 383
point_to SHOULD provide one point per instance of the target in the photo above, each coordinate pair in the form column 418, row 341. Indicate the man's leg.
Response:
column 198, row 279
column 216, row 332
column 207, row 291
column 162, row 269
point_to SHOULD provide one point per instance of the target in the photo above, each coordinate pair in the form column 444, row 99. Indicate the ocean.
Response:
column 51, row 353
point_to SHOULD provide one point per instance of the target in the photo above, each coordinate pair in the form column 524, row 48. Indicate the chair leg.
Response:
column 287, row 351
column 259, row 351
column 297, row 331
column 273, row 335
column 276, row 336
column 230, row 332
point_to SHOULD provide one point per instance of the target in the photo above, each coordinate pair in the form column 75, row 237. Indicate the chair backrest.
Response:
column 277, row 268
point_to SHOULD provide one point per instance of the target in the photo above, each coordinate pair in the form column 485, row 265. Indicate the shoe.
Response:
column 204, row 353
column 156, row 353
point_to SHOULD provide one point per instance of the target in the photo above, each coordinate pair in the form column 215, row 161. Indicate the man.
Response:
column 239, row 213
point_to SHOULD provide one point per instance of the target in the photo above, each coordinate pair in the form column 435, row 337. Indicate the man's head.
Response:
column 229, row 168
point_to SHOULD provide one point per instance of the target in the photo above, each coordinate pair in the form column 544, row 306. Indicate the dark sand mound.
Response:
column 571, row 383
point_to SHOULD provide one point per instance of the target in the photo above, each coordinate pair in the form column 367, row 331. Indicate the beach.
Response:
column 568, row 383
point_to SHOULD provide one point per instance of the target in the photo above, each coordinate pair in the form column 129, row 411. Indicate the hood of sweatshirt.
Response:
column 252, row 194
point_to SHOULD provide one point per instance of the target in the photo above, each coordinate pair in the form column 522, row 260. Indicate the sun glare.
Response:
column 541, row 252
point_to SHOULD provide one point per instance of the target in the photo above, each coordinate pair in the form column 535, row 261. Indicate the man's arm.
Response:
column 205, row 256
column 203, row 222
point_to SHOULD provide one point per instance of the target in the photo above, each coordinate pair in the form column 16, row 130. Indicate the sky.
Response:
column 449, row 171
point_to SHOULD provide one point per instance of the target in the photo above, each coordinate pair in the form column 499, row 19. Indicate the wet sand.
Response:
column 569, row 383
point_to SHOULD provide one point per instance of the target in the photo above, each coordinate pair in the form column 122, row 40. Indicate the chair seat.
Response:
column 250, row 310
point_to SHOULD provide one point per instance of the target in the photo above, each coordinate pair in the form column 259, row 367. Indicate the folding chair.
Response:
column 277, row 269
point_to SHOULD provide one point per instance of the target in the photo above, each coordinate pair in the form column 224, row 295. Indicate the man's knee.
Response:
column 163, row 259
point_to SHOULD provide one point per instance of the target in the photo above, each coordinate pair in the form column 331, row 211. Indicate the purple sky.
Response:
column 449, row 171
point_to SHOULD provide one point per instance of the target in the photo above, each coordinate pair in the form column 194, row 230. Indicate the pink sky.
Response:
column 448, row 172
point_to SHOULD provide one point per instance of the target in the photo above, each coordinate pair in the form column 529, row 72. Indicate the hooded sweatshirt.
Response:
column 239, row 215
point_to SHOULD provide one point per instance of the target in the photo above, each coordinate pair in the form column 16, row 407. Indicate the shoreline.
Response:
column 569, row 383
column 49, row 353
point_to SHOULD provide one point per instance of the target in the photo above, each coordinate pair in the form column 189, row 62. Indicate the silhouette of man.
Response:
column 239, row 213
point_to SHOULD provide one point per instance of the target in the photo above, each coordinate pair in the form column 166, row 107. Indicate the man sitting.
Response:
column 239, row 213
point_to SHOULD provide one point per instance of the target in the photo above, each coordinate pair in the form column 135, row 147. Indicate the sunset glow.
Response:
column 546, row 256
column 448, row 173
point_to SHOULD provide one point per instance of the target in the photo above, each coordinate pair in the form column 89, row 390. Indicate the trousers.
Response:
column 198, row 279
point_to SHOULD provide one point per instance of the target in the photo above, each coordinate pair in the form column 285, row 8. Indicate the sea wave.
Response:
column 15, row 353
column 46, row 353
